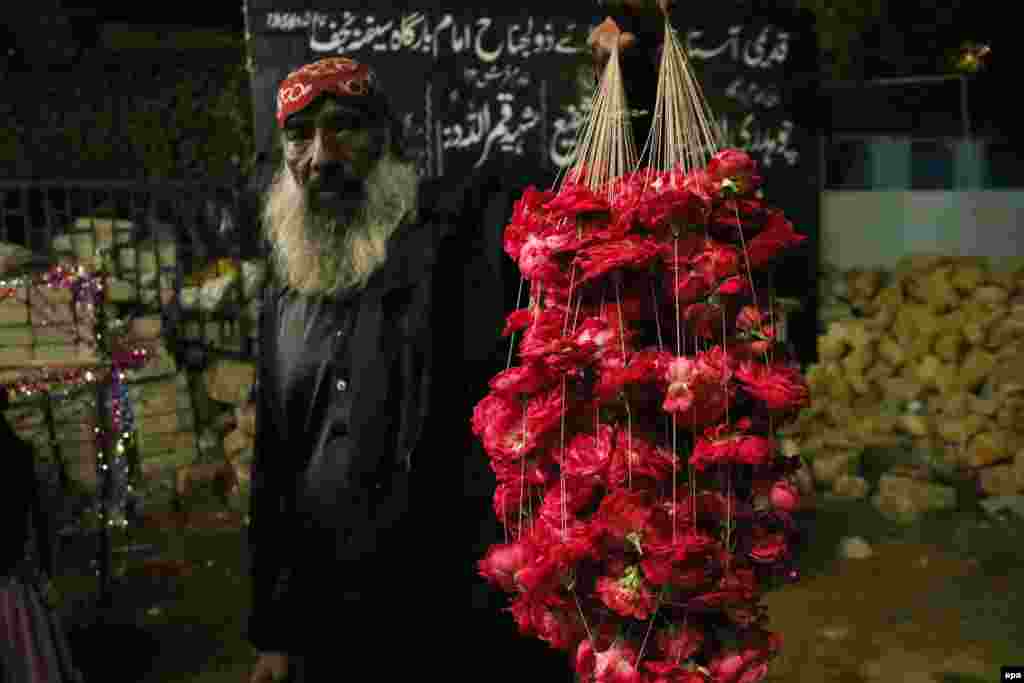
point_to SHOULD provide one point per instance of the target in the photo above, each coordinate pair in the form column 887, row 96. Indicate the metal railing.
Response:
column 159, row 234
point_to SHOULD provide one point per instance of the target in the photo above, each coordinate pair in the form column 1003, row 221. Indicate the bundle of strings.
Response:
column 684, row 134
column 605, row 148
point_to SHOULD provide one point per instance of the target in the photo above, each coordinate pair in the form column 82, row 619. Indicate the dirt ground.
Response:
column 939, row 602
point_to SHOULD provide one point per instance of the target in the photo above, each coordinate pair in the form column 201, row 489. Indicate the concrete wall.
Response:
column 875, row 228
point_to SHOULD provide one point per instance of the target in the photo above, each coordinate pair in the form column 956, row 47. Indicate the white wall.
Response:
column 875, row 228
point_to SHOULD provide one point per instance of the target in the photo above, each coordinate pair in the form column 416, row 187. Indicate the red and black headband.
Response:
column 343, row 77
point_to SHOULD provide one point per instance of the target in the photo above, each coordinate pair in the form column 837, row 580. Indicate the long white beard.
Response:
column 317, row 253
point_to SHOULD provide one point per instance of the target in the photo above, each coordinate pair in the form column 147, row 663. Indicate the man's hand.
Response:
column 603, row 39
column 270, row 667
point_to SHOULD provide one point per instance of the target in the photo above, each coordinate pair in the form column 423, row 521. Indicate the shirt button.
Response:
column 338, row 333
column 341, row 385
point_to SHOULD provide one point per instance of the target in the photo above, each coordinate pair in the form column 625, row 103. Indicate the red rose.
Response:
column 532, row 471
column 644, row 367
column 767, row 548
column 683, row 563
column 716, row 261
column 701, row 183
column 779, row 386
column 731, row 668
column 622, row 513
column 510, row 499
column 672, row 672
column 735, row 285
column 527, row 218
column 679, row 643
column 735, row 449
column 558, row 627
column 501, row 563
column 748, row 663
column 544, row 336
column 604, row 335
column 576, row 200
column 737, row 220
column 784, row 496
column 632, row 251
column 518, row 320
column 566, row 497
column 704, row 320
column 669, row 207
column 628, row 596
column 538, row 260
column 588, row 455
column 636, row 458
column 698, row 388
column 687, row 287
column 735, row 171
column 738, row 586
column 777, row 235
column 617, row 664
column 523, row 380
column 507, row 432
column 676, row 253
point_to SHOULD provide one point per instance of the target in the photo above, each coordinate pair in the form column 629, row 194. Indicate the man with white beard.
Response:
column 378, row 332
column 359, row 517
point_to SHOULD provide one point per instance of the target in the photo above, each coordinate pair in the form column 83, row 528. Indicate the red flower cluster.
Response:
column 633, row 446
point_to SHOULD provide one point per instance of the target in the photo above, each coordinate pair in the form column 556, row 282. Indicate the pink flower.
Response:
column 749, row 662
column 679, row 643
column 698, row 388
column 538, row 258
column 614, row 665
column 784, row 496
column 767, row 547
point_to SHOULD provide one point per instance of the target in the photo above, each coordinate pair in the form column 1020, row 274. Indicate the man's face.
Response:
column 330, row 149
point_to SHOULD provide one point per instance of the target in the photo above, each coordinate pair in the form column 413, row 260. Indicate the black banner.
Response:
column 508, row 85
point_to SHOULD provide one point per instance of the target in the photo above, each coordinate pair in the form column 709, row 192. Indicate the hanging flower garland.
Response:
column 115, row 456
column 643, row 492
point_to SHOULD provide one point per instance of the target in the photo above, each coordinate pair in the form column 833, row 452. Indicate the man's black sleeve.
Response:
column 268, row 505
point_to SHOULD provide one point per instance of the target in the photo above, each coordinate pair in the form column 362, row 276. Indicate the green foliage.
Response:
column 840, row 24
column 161, row 115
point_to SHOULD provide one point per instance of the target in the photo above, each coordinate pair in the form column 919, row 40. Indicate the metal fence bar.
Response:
column 34, row 213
